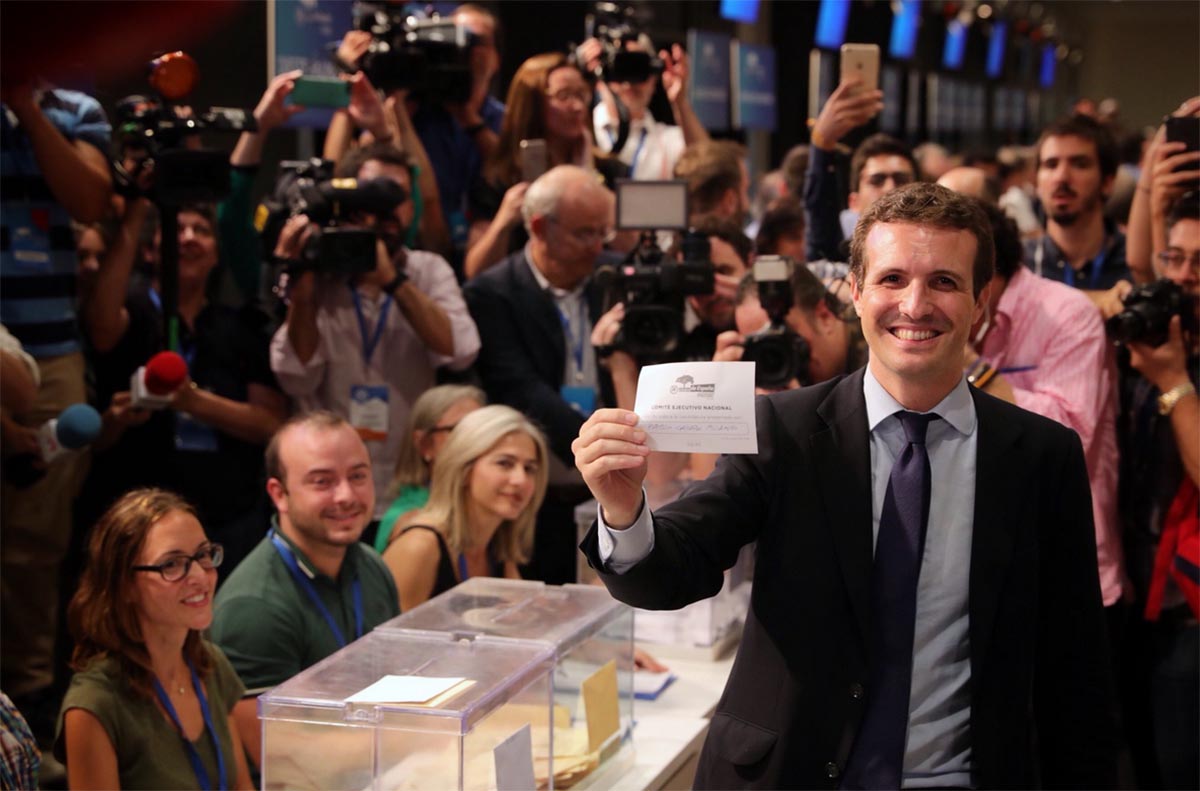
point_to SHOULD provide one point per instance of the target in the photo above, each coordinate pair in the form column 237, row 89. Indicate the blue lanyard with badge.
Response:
column 581, row 397
column 637, row 152
column 193, row 754
column 190, row 434
column 369, row 403
column 293, row 567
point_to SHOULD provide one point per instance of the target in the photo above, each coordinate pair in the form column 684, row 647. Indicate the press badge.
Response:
column 369, row 411
column 30, row 248
column 192, row 435
column 582, row 399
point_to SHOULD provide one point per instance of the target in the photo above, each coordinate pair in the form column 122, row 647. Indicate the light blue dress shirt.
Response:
column 938, row 750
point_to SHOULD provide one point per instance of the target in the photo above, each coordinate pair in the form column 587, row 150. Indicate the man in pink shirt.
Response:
column 1041, row 345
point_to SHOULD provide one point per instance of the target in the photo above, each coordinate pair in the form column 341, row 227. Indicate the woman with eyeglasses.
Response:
column 488, row 483
column 150, row 703
column 548, row 100
column 434, row 415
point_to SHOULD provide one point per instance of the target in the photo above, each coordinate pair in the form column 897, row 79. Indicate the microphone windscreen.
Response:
column 78, row 425
column 165, row 372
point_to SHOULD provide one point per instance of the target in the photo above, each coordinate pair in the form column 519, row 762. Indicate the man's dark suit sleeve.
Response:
column 1073, row 687
column 822, row 205
column 508, row 372
column 699, row 535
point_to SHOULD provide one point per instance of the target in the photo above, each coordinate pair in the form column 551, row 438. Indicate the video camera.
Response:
column 779, row 354
column 614, row 25
column 430, row 55
column 1148, row 311
column 180, row 175
column 652, row 286
column 308, row 187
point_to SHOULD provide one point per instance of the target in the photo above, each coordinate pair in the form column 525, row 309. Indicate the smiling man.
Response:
column 925, row 591
column 310, row 587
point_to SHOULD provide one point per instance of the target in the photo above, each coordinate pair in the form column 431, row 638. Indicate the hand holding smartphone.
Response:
column 861, row 60
column 1184, row 129
column 320, row 92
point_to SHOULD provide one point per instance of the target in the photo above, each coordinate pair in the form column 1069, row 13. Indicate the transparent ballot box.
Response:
column 395, row 711
column 591, row 637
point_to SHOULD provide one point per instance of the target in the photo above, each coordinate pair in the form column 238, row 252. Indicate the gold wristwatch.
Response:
column 1168, row 400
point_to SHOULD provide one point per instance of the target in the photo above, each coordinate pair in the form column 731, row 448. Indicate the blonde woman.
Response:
column 434, row 415
column 488, row 483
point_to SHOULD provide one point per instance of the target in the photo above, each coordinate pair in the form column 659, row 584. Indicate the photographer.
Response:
column 345, row 349
column 650, row 149
column 1160, row 470
column 536, row 310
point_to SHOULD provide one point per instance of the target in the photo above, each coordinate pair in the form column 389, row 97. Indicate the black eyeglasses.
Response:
column 899, row 178
column 179, row 566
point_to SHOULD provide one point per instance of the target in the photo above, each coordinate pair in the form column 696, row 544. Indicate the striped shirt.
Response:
column 1047, row 339
column 37, row 248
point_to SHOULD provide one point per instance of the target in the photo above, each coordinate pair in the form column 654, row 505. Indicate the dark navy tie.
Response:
column 877, row 760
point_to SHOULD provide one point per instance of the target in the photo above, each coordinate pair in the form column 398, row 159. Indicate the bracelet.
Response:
column 400, row 279
column 818, row 140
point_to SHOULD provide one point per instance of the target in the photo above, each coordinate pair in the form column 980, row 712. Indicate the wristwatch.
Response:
column 400, row 279
column 1168, row 400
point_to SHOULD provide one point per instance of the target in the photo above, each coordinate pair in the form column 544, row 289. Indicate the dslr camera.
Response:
column 153, row 124
column 779, row 354
column 307, row 187
column 430, row 55
column 650, row 284
column 614, row 25
column 1148, row 312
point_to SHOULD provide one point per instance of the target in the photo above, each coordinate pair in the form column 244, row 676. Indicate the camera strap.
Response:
column 637, row 152
column 372, row 340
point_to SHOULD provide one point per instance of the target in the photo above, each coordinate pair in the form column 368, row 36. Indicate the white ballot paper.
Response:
column 698, row 407
column 404, row 689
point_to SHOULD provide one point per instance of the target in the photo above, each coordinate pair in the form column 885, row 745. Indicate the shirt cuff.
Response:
column 621, row 550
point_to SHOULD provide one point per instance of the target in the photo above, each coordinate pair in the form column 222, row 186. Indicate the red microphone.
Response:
column 152, row 384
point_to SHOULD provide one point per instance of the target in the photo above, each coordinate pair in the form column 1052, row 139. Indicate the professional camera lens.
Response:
column 650, row 331
column 1147, row 314
column 779, row 356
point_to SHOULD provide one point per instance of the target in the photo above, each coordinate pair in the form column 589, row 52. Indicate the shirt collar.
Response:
column 347, row 572
column 957, row 408
column 1014, row 292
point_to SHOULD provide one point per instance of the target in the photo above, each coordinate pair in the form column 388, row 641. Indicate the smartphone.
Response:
column 1186, row 130
column 533, row 159
column 863, row 60
column 320, row 92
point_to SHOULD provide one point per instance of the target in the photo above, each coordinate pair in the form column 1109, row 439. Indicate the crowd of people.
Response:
column 348, row 444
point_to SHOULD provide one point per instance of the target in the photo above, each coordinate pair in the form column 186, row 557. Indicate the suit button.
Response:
column 856, row 691
column 831, row 770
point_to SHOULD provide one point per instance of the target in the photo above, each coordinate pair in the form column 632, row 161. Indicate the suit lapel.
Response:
column 997, row 493
column 544, row 328
column 842, row 456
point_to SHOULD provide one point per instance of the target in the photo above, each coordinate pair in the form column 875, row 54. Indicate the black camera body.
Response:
column 181, row 175
column 779, row 354
column 1148, row 311
column 653, row 287
column 615, row 25
column 430, row 57
column 307, row 187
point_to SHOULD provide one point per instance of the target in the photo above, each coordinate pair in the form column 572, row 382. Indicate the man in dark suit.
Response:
column 926, row 608
column 535, row 311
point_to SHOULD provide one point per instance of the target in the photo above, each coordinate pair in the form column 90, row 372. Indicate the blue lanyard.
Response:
column 187, row 352
column 576, row 343
column 637, row 152
column 1016, row 369
column 463, row 576
column 369, row 343
column 293, row 566
column 1097, row 266
column 193, row 755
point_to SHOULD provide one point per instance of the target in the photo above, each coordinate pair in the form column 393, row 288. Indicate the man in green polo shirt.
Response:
column 310, row 587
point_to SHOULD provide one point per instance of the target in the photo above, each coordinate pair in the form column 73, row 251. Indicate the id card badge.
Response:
column 582, row 399
column 369, row 411
column 30, row 246
column 458, row 229
column 192, row 435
